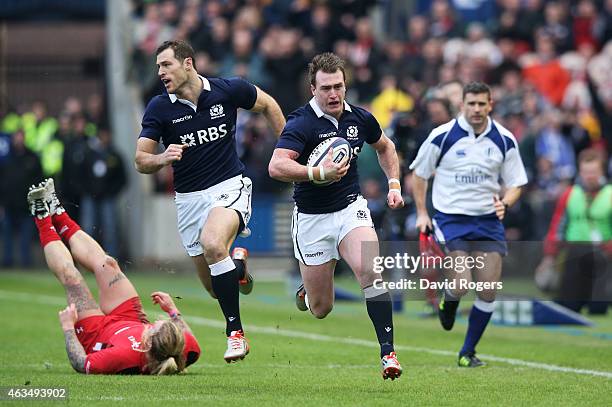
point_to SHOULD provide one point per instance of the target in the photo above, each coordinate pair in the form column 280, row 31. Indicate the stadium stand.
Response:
column 546, row 60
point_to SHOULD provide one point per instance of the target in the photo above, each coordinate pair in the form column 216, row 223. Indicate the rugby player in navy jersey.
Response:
column 469, row 155
column 195, row 119
column 333, row 221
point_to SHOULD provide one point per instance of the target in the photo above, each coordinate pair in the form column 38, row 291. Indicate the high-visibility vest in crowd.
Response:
column 589, row 223
column 51, row 157
column 38, row 134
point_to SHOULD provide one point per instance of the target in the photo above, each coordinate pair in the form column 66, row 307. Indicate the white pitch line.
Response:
column 213, row 323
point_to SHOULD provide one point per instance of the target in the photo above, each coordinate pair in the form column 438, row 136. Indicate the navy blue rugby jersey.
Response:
column 207, row 129
column 306, row 128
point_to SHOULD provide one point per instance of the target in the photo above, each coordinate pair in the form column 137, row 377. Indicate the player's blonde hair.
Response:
column 164, row 347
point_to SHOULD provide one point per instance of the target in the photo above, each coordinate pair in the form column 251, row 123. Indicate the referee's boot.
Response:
column 245, row 280
column 447, row 310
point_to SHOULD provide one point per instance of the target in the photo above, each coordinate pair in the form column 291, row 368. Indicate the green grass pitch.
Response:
column 296, row 360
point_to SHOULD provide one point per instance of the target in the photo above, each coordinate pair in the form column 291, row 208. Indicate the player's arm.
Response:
column 165, row 302
column 387, row 158
column 419, row 191
column 74, row 349
column 514, row 176
column 284, row 167
column 266, row 105
column 510, row 197
column 147, row 161
column 424, row 166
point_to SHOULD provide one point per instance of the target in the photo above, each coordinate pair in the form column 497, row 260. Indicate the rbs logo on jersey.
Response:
column 205, row 136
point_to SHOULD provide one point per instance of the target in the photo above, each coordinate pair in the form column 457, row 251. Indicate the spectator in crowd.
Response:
column 38, row 127
column 604, row 26
column 52, row 152
column 554, row 146
column 76, row 149
column 322, row 28
column 20, row 169
column 391, row 100
column 582, row 222
column 509, row 24
column 245, row 60
column 418, row 27
column 150, row 29
column 365, row 56
column 95, row 113
column 444, row 21
column 556, row 25
column 543, row 70
column 284, row 61
column 104, row 178
column 219, row 44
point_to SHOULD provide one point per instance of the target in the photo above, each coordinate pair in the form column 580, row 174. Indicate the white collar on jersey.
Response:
column 205, row 86
column 463, row 123
column 319, row 112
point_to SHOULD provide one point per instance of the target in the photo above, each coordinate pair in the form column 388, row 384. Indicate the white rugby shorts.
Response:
column 193, row 208
column 316, row 237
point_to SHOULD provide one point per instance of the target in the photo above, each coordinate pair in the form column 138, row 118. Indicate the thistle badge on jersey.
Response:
column 216, row 111
column 352, row 133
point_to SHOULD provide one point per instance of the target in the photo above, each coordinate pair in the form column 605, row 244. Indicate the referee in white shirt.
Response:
column 469, row 156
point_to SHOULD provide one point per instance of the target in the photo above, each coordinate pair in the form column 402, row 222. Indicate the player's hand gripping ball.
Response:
column 340, row 149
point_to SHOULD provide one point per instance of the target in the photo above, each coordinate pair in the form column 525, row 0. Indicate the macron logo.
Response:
column 326, row 135
column 182, row 119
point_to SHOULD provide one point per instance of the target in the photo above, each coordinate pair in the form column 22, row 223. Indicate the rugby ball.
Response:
column 340, row 149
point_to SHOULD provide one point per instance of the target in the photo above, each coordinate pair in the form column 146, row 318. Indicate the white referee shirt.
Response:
column 468, row 169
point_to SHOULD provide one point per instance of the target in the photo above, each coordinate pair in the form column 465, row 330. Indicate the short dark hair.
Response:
column 442, row 101
column 181, row 49
column 327, row 62
column 589, row 155
column 477, row 88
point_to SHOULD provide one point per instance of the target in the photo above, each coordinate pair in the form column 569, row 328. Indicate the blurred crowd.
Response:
column 75, row 149
column 548, row 63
